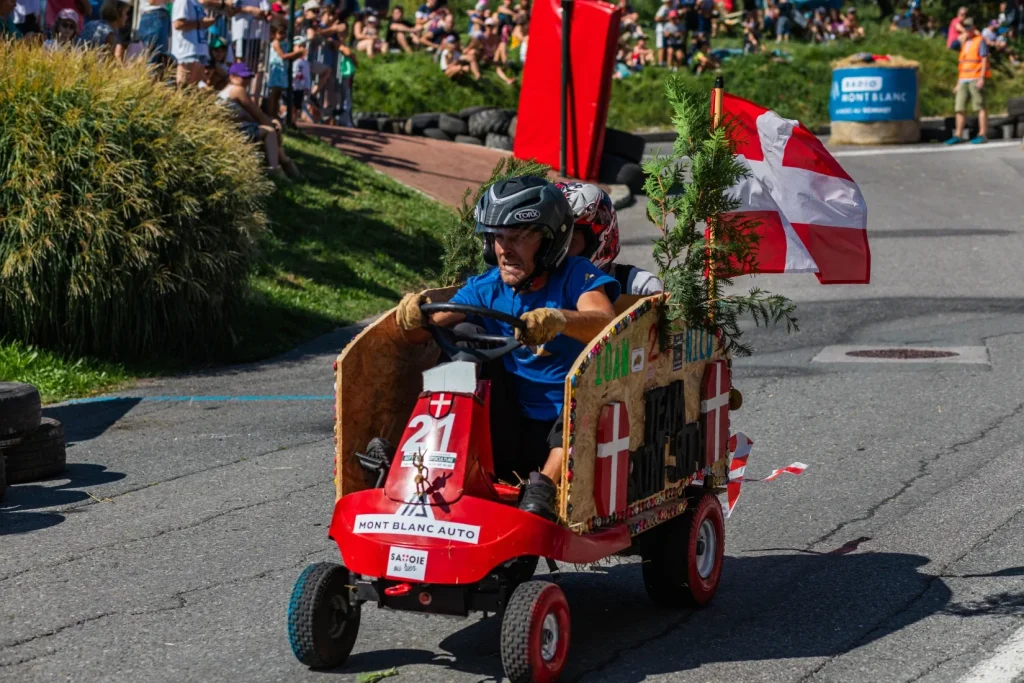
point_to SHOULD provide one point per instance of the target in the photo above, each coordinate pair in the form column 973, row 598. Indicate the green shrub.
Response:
column 129, row 212
column 403, row 85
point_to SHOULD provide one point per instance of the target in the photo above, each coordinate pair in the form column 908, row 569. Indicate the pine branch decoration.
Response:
column 463, row 255
column 687, row 190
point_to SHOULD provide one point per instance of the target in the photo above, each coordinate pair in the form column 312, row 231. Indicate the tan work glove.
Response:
column 542, row 325
column 409, row 315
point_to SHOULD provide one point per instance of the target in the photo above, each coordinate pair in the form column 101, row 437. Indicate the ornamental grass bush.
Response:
column 129, row 213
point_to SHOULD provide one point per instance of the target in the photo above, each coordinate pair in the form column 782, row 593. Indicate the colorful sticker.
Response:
column 432, row 460
column 407, row 563
column 637, row 362
column 413, row 526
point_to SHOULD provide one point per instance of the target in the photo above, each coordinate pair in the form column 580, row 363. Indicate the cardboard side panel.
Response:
column 623, row 364
column 376, row 386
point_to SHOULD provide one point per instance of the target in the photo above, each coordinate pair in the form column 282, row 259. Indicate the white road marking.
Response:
column 965, row 354
column 931, row 149
column 1005, row 665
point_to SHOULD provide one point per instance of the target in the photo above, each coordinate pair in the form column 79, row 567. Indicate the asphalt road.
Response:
column 169, row 552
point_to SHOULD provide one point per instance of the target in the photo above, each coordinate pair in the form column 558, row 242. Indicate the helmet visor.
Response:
column 514, row 235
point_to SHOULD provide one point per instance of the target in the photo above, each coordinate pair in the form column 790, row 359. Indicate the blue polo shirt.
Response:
column 539, row 379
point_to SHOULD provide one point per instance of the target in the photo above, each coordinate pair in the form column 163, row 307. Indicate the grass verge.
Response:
column 345, row 243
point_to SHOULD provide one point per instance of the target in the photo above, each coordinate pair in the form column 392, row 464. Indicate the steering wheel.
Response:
column 448, row 339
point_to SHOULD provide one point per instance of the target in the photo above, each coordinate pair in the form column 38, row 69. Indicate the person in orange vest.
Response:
column 972, row 72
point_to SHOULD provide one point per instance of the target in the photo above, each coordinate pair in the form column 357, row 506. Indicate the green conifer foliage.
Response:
column 687, row 191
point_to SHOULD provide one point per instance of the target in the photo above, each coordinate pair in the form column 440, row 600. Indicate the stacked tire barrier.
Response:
column 32, row 447
column 480, row 125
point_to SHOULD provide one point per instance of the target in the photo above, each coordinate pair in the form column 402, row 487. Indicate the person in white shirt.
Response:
column 189, row 39
column 250, row 31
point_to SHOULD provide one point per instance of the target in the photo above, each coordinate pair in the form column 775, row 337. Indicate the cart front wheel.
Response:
column 684, row 564
column 535, row 633
column 322, row 621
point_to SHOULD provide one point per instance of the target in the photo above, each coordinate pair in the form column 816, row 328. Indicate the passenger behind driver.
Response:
column 596, row 237
column 565, row 302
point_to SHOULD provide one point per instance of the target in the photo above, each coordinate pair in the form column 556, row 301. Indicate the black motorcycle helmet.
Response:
column 527, row 202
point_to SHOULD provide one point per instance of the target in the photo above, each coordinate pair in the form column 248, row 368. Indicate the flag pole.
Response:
column 716, row 120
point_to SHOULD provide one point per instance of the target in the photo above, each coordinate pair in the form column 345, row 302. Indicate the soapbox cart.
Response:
column 423, row 525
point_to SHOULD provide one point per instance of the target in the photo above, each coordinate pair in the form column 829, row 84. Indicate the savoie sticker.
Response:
column 432, row 460
column 411, row 526
column 407, row 563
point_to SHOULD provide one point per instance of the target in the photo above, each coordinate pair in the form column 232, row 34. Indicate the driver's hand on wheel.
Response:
column 409, row 315
column 542, row 325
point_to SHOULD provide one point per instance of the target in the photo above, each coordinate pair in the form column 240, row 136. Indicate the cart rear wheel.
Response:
column 684, row 564
column 535, row 633
column 322, row 621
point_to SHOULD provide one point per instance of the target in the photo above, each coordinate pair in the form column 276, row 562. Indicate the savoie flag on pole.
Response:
column 813, row 218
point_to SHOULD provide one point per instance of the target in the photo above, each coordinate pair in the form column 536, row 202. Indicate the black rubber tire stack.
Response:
column 420, row 122
column 496, row 141
column 490, row 121
column 452, row 125
column 468, row 140
column 19, row 411
column 436, row 134
column 40, row 455
column 464, row 114
column 619, row 171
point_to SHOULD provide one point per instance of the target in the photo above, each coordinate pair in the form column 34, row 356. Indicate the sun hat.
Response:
column 68, row 15
column 240, row 69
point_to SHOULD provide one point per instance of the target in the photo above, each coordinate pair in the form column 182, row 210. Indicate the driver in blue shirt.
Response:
column 527, row 224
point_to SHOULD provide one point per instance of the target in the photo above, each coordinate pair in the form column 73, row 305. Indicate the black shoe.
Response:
column 539, row 497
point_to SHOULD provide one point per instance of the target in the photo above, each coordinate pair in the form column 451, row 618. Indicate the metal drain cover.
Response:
column 902, row 354
column 889, row 353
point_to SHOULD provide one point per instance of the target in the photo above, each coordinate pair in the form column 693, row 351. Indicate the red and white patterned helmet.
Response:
column 595, row 218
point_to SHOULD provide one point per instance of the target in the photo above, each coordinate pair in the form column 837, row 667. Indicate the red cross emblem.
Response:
column 714, row 409
column 440, row 405
column 612, row 471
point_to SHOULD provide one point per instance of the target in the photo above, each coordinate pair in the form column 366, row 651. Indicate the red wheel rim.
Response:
column 549, row 635
column 706, row 529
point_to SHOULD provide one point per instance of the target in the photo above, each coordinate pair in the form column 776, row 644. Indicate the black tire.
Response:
column 490, row 121
column 3, row 476
column 672, row 561
column 398, row 126
column 623, row 144
column 525, row 633
column 468, row 140
column 495, row 141
column 618, row 171
column 420, row 122
column 366, row 123
column 41, row 454
column 452, row 125
column 469, row 111
column 1015, row 106
column 383, row 124
column 322, row 621
column 19, row 409
column 512, row 127
column 437, row 134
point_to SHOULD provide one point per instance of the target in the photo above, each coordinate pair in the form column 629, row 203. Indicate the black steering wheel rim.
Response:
column 466, row 309
column 448, row 339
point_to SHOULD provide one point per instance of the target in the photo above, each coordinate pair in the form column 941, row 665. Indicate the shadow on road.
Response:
column 85, row 421
column 769, row 607
column 20, row 498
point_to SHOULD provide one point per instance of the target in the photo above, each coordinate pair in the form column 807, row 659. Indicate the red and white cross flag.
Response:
column 739, row 451
column 612, row 469
column 714, row 408
column 813, row 217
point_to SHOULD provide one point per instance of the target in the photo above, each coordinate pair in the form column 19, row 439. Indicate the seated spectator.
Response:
column 956, row 29
column 400, row 34
column 65, row 30
column 495, row 50
column 702, row 61
column 751, row 36
column 854, row 31
column 454, row 63
column 371, row 42
column 835, row 24
column 102, row 32
column 27, row 19
column 641, row 55
column 254, row 124
column 629, row 24
column 218, row 66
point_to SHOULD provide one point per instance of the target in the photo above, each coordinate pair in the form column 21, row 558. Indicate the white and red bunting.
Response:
column 714, row 409
column 612, row 471
column 739, row 451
